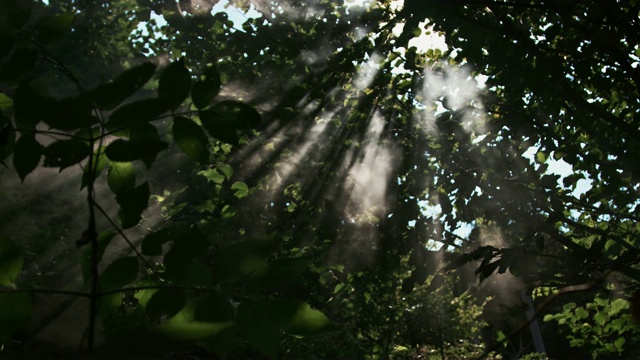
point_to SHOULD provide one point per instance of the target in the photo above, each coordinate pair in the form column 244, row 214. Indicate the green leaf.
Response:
column 145, row 132
column 242, row 190
column 191, row 330
column 601, row 318
column 218, row 127
column 121, row 176
column 541, row 157
column 206, row 88
column 5, row 101
column 53, row 27
column 227, row 170
column 191, row 139
column 174, row 84
column 98, row 163
column 138, row 112
column 64, row 153
column 120, row 272
column 185, row 249
column 165, row 302
column 15, row 312
column 110, row 95
column 125, row 151
column 86, row 262
column 132, row 203
column 10, row 262
column 295, row 317
column 258, row 329
column 27, row 154
column 152, row 243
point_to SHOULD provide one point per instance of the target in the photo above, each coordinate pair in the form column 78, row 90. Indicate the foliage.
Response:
column 326, row 167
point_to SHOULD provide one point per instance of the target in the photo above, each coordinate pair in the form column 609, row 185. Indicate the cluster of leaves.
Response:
column 107, row 129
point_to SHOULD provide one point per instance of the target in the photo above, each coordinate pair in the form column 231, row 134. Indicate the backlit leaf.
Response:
column 26, row 155
column 97, row 165
column 5, row 101
column 165, row 302
column 121, row 176
column 191, row 139
column 125, row 151
column 295, row 317
column 10, row 262
column 86, row 262
column 258, row 329
column 152, row 243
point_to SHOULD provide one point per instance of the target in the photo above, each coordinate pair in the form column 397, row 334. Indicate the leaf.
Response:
column 125, row 151
column 174, row 84
column 541, row 157
column 152, row 243
column 11, row 262
column 6, row 43
column 138, row 112
column 121, row 176
column 191, row 330
column 110, row 95
column 227, row 170
column 132, row 203
column 197, row 274
column 237, row 114
column 144, row 132
column 27, row 155
column 191, row 139
column 30, row 106
column 5, row 101
column 206, row 88
column 53, row 27
column 86, row 262
column 258, row 329
column 165, row 302
column 295, row 317
column 242, row 190
column 19, row 64
column 64, row 153
column 214, row 308
column 185, row 249
column 281, row 271
column 98, row 163
column 7, row 138
column 15, row 312
column 69, row 114
column 219, row 128
column 120, row 272
column 15, row 13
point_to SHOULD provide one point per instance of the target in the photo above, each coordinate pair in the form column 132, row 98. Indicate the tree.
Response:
column 378, row 170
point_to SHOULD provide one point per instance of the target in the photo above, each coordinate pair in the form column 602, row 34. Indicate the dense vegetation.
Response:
column 315, row 183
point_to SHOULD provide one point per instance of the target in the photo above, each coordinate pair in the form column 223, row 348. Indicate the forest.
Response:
column 358, row 179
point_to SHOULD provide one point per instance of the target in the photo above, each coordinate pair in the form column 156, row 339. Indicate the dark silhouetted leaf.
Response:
column 29, row 105
column 295, row 317
column 206, row 88
column 6, row 44
column 53, row 27
column 152, row 243
column 70, row 114
column 121, row 176
column 10, row 262
column 27, row 155
column 191, row 139
column 15, row 312
column 237, row 114
column 184, row 250
column 15, row 13
column 110, row 95
column 214, row 308
column 219, row 127
column 19, row 64
column 86, row 262
column 175, row 84
column 7, row 138
column 120, row 272
column 165, row 302
column 132, row 203
column 124, row 151
column 138, row 112
column 258, row 329
column 64, row 153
